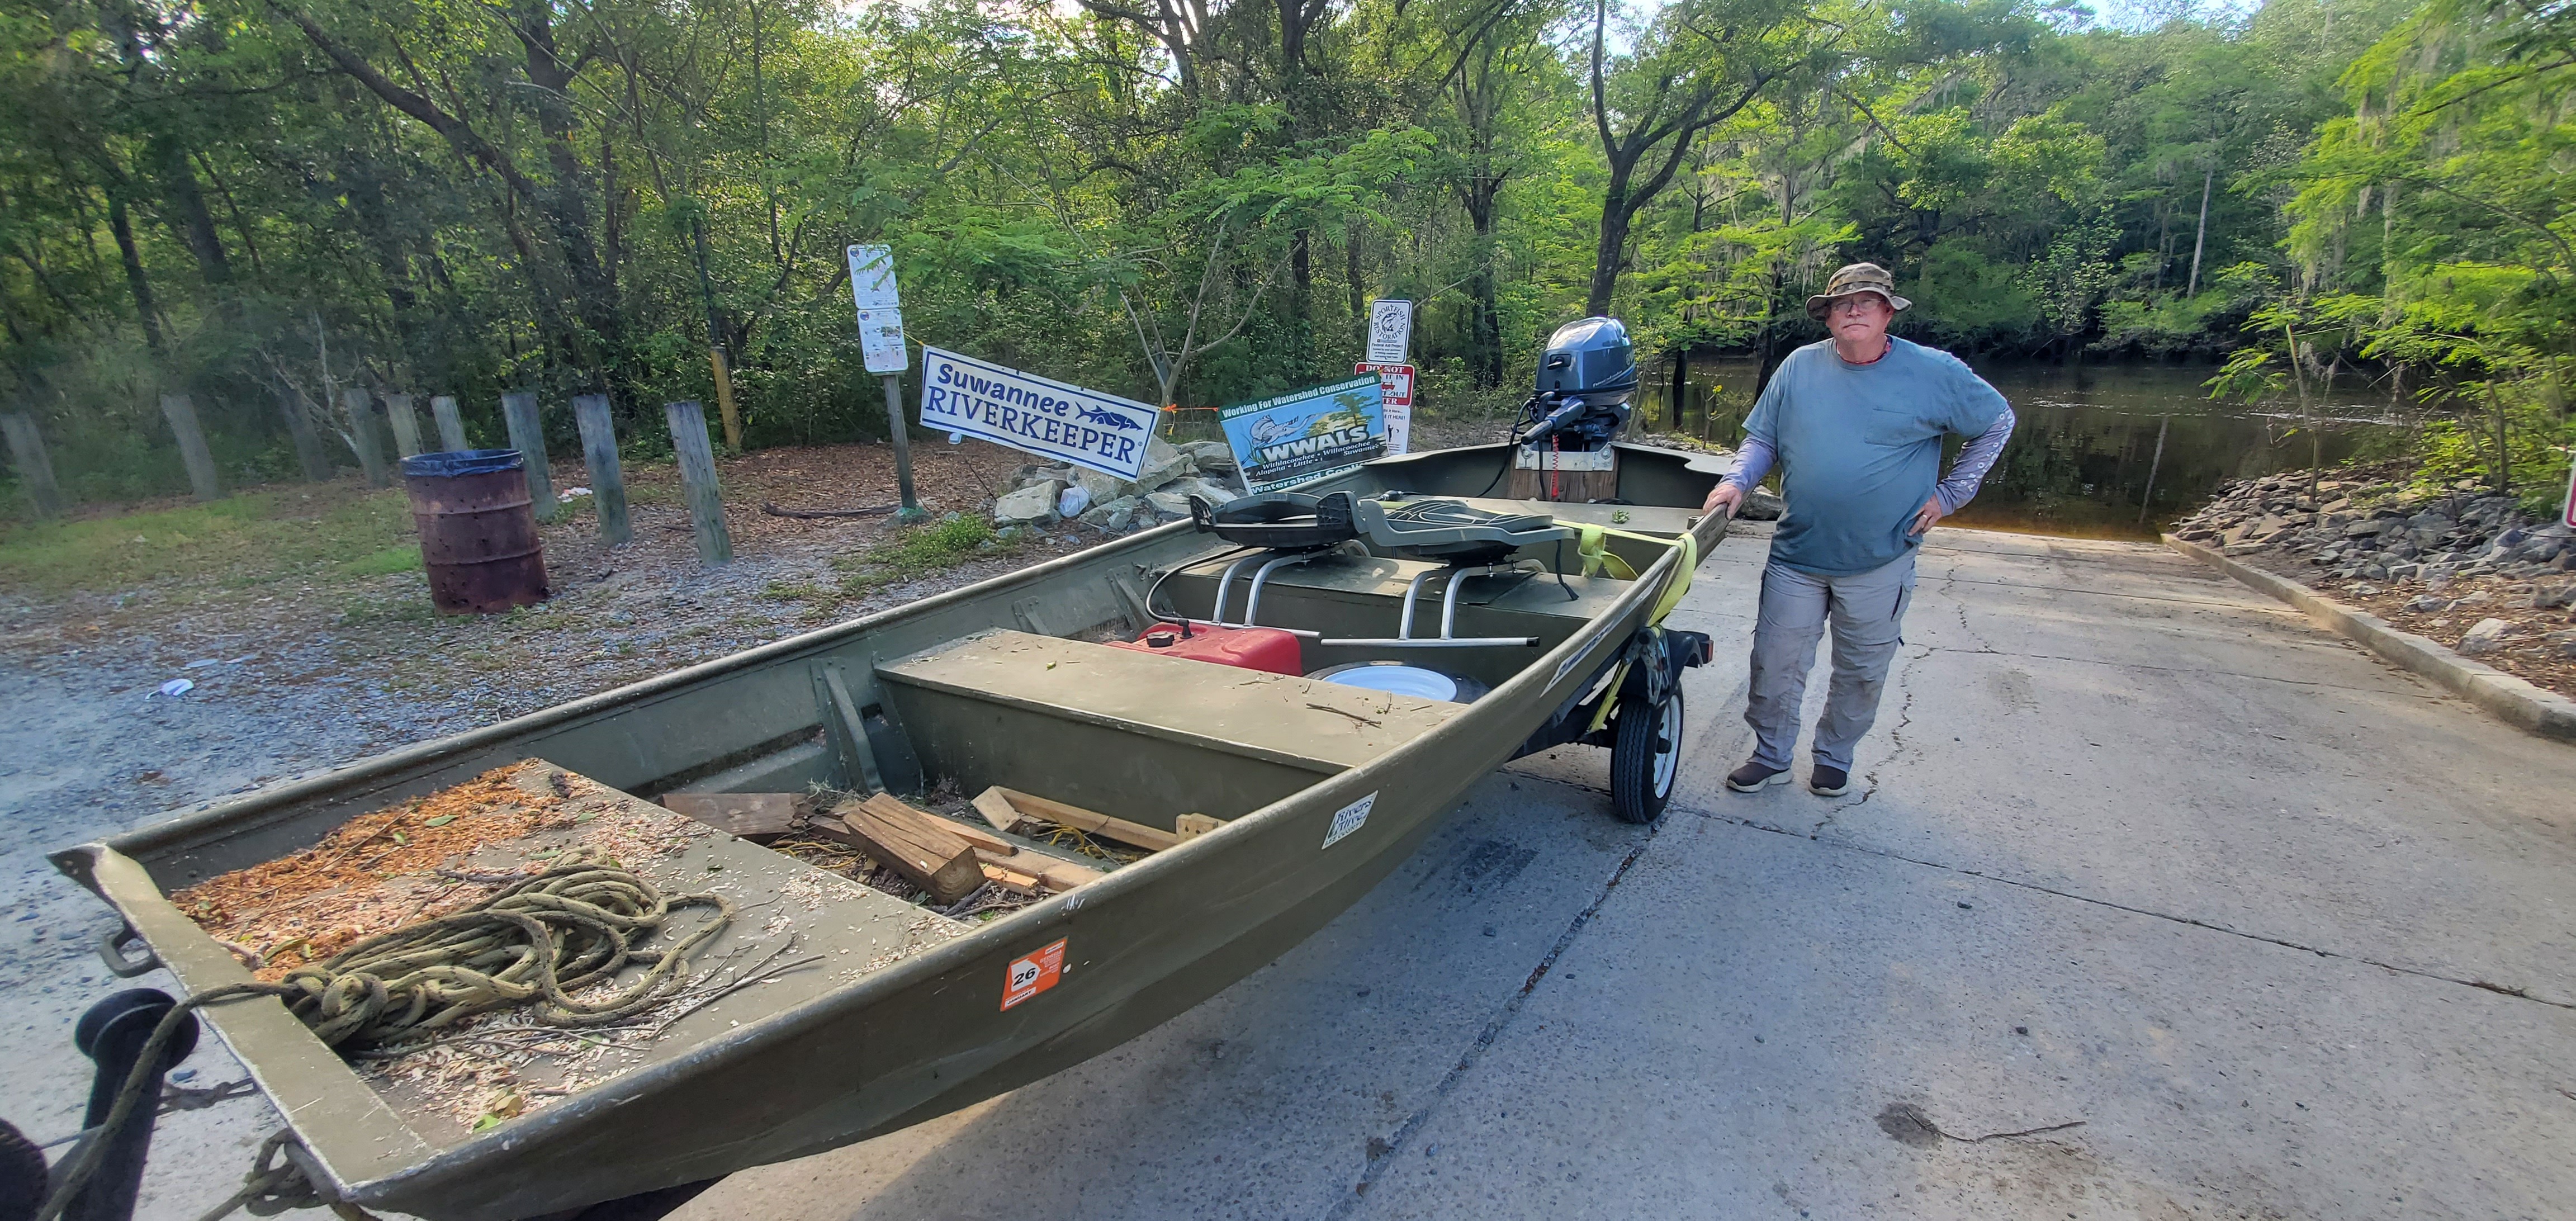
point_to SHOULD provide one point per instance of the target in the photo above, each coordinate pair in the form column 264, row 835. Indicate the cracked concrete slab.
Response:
column 2378, row 819
column 1837, row 1033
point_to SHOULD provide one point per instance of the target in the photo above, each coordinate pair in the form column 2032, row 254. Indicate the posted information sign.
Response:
column 1308, row 433
column 1395, row 382
column 1037, row 414
column 1390, row 337
column 872, row 286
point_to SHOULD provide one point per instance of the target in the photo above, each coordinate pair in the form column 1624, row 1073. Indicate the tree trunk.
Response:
column 1617, row 213
column 566, row 202
column 2299, row 378
column 195, row 222
column 2200, row 235
column 144, row 309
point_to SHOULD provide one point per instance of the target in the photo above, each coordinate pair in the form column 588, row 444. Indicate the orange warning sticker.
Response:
column 1031, row 974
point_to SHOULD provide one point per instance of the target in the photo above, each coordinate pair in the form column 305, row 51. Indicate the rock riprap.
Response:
column 1172, row 474
column 2463, row 566
column 2377, row 532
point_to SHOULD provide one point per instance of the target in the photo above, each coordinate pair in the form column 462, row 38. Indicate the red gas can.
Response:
column 1249, row 648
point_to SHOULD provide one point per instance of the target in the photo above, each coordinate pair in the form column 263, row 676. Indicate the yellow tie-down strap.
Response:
column 1593, row 546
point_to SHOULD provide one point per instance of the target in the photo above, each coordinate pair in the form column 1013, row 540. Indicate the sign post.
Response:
column 881, row 346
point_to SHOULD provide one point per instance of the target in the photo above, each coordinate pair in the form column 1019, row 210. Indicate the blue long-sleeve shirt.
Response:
column 1862, row 450
column 1954, row 491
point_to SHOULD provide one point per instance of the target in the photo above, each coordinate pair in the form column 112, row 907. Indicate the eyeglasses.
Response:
column 1852, row 304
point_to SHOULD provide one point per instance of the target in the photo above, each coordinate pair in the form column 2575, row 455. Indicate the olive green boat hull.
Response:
column 924, row 1036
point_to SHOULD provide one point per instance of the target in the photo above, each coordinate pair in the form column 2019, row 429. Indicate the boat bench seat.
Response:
column 1141, row 736
column 1298, row 721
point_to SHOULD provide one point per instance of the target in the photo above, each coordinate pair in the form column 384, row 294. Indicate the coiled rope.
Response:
column 537, row 941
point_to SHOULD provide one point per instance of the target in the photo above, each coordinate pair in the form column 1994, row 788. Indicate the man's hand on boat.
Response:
column 1727, row 495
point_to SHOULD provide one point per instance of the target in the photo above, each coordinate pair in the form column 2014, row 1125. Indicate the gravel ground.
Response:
column 314, row 675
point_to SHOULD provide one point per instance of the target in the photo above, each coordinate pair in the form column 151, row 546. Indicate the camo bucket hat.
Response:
column 1853, row 279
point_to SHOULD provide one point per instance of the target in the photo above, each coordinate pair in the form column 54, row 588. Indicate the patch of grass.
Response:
column 918, row 551
column 242, row 541
column 405, row 558
column 796, row 591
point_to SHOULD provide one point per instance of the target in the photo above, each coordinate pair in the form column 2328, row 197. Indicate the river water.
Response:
column 2081, row 461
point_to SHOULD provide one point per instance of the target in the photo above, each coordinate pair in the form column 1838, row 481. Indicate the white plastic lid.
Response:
column 1399, row 680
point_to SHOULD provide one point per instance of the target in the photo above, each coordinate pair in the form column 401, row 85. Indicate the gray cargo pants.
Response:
column 1867, row 610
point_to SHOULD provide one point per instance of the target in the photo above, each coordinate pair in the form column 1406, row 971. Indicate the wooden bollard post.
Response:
column 181, row 411
column 406, row 424
column 451, row 426
column 35, row 469
column 363, row 436
column 599, row 452
column 698, row 477
column 308, row 444
column 528, row 436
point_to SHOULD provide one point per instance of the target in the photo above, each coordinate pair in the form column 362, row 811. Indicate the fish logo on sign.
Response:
column 1031, row 974
column 1095, row 415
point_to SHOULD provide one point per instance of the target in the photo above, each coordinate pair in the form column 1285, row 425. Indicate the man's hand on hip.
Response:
column 1926, row 517
column 1727, row 496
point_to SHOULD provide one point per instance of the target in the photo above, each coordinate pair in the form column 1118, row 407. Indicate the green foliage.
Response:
column 2434, row 222
column 265, row 204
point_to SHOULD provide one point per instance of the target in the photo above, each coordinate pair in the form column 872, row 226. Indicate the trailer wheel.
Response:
column 1645, row 756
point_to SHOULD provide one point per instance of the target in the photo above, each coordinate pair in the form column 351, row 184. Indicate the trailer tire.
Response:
column 1645, row 756
column 22, row 1175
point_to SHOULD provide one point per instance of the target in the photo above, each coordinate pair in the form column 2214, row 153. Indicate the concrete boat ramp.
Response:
column 2153, row 901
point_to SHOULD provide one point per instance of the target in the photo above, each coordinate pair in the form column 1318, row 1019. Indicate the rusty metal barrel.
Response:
column 478, row 529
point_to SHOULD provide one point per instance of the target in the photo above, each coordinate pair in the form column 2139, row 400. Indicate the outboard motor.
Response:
column 1587, row 380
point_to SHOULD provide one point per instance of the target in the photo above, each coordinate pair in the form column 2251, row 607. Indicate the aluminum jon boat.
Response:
column 1319, row 790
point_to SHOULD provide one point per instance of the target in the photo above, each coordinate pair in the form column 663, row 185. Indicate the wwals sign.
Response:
column 1039, row 415
column 1306, row 434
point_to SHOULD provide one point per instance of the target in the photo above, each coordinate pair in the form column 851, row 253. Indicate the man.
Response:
column 1857, row 422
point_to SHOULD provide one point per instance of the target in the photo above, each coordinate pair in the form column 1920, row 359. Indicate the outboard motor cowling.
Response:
column 1587, row 379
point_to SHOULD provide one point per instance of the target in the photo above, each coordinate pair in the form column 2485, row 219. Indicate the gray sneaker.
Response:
column 1826, row 781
